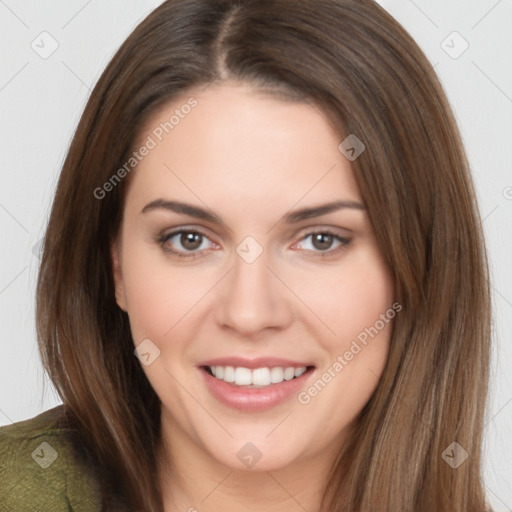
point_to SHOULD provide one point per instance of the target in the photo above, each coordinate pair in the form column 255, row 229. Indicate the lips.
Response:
column 260, row 362
column 254, row 384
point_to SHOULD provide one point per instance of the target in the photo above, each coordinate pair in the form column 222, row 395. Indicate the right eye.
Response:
column 185, row 243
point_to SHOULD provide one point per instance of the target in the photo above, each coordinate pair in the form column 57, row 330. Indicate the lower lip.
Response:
column 254, row 399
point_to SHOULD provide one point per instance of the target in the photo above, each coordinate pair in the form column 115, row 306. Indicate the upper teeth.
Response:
column 258, row 377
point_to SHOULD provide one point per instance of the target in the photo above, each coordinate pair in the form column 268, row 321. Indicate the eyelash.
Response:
column 163, row 239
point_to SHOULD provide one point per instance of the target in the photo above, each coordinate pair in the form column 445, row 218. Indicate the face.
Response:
column 246, row 254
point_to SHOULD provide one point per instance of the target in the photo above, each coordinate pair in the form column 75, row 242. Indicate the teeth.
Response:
column 289, row 373
column 229, row 373
column 300, row 371
column 243, row 376
column 276, row 375
column 259, row 377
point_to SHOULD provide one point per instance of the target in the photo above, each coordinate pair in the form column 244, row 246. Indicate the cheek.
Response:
column 364, row 297
column 362, row 320
column 356, row 355
column 159, row 296
column 349, row 299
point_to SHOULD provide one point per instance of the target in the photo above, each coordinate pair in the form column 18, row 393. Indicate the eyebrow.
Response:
column 317, row 211
column 289, row 218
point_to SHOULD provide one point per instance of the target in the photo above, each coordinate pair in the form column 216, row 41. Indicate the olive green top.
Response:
column 39, row 472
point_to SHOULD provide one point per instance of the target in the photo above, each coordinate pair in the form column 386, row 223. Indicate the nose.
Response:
column 251, row 299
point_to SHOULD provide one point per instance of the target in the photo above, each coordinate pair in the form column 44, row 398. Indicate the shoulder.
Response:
column 38, row 468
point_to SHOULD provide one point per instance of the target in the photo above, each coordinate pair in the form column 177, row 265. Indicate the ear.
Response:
column 117, row 274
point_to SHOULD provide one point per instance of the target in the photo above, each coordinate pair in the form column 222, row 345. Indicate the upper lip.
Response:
column 260, row 362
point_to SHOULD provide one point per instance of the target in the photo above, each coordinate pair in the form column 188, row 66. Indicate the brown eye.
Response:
column 322, row 241
column 185, row 243
column 191, row 241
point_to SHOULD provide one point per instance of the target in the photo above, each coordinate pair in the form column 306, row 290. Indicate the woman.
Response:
column 263, row 284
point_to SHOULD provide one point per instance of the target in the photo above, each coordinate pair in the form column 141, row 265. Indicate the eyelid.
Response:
column 321, row 228
column 335, row 231
column 169, row 232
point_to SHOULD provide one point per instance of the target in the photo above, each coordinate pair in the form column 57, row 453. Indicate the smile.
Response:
column 256, row 378
column 254, row 385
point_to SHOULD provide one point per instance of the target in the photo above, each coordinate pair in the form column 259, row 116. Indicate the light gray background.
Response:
column 41, row 101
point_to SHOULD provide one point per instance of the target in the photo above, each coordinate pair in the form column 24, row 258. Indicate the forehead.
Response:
column 235, row 148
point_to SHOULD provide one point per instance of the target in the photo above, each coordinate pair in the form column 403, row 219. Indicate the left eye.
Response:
column 322, row 242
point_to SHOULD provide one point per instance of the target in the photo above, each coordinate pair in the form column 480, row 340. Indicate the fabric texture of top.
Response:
column 39, row 471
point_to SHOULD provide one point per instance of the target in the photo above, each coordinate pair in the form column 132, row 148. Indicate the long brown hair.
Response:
column 364, row 72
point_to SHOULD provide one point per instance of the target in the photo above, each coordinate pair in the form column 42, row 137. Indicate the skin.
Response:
column 250, row 159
